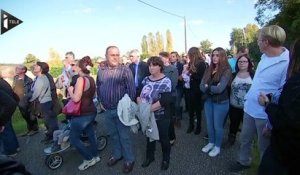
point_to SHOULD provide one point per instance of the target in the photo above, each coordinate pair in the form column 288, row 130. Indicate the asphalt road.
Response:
column 186, row 156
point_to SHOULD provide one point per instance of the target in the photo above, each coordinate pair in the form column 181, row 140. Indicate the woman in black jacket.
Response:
column 196, row 68
column 283, row 154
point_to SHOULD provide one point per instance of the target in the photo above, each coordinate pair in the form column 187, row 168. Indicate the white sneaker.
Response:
column 207, row 148
column 86, row 164
column 214, row 152
column 97, row 159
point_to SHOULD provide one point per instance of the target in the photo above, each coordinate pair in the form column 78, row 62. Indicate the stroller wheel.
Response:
column 102, row 142
column 54, row 161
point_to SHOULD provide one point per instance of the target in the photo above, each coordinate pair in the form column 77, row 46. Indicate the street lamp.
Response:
column 173, row 14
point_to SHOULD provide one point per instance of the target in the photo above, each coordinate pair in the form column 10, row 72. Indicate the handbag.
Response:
column 73, row 108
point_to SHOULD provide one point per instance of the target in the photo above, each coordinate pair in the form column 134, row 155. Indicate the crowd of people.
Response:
column 263, row 101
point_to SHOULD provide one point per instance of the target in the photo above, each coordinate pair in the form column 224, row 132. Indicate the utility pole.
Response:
column 173, row 14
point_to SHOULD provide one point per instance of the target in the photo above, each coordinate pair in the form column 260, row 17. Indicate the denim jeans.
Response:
column 78, row 126
column 215, row 115
column 119, row 135
column 8, row 140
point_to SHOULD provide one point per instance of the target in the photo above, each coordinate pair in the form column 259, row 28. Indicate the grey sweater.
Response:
column 41, row 89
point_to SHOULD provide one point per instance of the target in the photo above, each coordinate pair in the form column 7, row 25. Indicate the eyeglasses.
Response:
column 72, row 65
column 215, row 55
column 244, row 62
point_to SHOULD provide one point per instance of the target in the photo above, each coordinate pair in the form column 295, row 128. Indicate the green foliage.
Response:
column 169, row 41
column 237, row 38
column 160, row 42
column 205, row 46
column 287, row 17
column 94, row 70
column 30, row 60
column 254, row 52
column 153, row 44
column 144, row 45
column 54, row 58
column 55, row 71
column 144, row 56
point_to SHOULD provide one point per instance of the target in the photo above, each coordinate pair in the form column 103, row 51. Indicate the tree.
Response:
column 54, row 59
column 160, row 42
column 144, row 45
column 288, row 16
column 151, row 44
column 237, row 39
column 30, row 60
column 169, row 41
column 250, row 33
column 205, row 46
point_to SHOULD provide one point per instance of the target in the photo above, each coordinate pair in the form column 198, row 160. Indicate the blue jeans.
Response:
column 78, row 126
column 215, row 115
column 8, row 140
column 119, row 135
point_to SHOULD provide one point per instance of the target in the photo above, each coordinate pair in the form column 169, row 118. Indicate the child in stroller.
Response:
column 61, row 137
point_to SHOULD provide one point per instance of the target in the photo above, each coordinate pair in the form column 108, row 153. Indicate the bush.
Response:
column 56, row 71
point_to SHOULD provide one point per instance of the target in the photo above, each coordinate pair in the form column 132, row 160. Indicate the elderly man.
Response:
column 139, row 70
column 22, row 87
column 113, row 82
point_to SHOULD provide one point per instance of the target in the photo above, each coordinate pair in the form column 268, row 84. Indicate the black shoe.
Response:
column 47, row 140
column 147, row 162
column 164, row 165
column 190, row 129
column 198, row 130
column 236, row 167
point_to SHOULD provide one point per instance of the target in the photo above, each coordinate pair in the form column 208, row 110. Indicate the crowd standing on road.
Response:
column 264, row 101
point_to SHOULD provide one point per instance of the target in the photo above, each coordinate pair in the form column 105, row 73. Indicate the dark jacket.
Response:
column 217, row 91
column 179, row 67
column 285, row 119
column 24, row 98
column 8, row 103
column 195, row 78
column 143, row 71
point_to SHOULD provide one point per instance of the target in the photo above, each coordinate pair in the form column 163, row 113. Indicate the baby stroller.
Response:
column 55, row 159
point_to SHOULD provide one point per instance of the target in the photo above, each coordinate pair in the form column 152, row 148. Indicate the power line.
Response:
column 161, row 9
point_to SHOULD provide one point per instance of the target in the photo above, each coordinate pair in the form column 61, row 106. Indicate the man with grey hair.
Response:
column 139, row 70
column 269, row 78
column 22, row 87
column 113, row 82
column 63, row 81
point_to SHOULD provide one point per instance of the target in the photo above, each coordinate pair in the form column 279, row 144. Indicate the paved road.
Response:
column 186, row 157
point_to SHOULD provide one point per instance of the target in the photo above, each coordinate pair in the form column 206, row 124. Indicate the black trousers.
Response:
column 187, row 96
column 163, row 130
column 172, row 134
column 270, row 165
column 236, row 117
column 31, row 121
column 196, row 106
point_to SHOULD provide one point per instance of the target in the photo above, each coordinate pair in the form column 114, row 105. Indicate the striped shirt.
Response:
column 113, row 84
